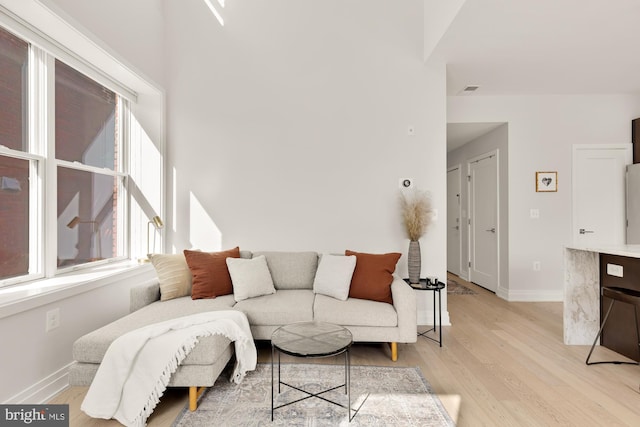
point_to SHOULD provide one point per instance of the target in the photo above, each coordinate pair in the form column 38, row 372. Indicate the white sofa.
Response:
column 293, row 275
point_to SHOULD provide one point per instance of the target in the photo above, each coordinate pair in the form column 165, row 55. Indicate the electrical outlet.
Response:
column 534, row 213
column 53, row 319
column 536, row 265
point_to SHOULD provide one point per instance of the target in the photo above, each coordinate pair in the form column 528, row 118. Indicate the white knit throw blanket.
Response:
column 137, row 366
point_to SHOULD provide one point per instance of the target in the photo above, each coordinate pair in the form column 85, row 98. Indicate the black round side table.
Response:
column 424, row 286
column 313, row 340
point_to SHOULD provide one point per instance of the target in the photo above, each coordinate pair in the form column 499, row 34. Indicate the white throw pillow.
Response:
column 333, row 277
column 250, row 277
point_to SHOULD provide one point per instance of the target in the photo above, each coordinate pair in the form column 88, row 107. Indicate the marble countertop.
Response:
column 632, row 251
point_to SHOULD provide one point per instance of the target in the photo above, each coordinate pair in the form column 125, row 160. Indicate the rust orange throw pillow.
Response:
column 373, row 276
column 210, row 273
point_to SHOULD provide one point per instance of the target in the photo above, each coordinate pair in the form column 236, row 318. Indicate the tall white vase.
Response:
column 414, row 260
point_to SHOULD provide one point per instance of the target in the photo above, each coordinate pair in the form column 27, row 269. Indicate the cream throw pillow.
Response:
column 333, row 277
column 250, row 277
column 174, row 275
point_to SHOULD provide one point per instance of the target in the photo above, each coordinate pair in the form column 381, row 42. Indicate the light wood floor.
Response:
column 502, row 364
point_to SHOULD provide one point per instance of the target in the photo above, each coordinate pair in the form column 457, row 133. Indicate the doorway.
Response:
column 599, row 194
column 454, row 236
column 484, row 230
column 468, row 145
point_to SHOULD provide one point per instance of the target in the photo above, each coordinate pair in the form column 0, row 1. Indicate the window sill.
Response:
column 27, row 296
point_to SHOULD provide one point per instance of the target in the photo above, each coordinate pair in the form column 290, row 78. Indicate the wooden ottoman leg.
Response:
column 194, row 393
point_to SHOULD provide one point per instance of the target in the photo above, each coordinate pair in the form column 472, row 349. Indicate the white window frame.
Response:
column 120, row 172
column 40, row 152
column 146, row 127
column 36, row 167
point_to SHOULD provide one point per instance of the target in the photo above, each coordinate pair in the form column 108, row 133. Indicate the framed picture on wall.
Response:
column 546, row 181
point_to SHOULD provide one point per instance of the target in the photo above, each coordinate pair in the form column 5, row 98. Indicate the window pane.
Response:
column 85, row 119
column 13, row 90
column 14, row 217
column 87, row 217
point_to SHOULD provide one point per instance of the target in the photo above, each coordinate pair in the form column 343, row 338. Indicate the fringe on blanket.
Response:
column 240, row 371
column 104, row 398
column 161, row 385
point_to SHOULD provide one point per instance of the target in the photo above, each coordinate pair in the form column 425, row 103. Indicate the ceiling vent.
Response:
column 470, row 88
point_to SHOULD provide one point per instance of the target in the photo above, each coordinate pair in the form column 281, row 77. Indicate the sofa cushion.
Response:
column 283, row 307
column 251, row 277
column 173, row 274
column 333, row 277
column 292, row 270
column 246, row 254
column 373, row 276
column 216, row 348
column 91, row 347
column 354, row 312
column 210, row 275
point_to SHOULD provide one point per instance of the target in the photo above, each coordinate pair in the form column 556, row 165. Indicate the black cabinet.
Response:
column 619, row 334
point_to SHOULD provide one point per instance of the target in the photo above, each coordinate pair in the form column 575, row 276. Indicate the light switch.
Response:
column 534, row 213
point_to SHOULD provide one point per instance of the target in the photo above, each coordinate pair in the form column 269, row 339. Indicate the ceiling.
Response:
column 542, row 47
column 459, row 134
column 512, row 47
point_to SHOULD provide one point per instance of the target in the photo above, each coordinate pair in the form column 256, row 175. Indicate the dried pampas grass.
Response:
column 416, row 212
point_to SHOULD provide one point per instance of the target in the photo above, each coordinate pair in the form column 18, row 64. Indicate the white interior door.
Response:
column 453, row 221
column 483, row 214
column 599, row 194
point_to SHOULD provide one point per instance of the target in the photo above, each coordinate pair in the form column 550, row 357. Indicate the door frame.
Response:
column 574, row 181
column 470, row 240
column 459, row 213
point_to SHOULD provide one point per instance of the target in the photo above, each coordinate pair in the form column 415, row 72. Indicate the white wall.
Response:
column 542, row 131
column 438, row 16
column 497, row 139
column 34, row 363
column 287, row 126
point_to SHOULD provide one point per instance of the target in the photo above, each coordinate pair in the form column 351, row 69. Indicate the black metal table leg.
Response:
column 437, row 327
column 439, row 316
column 335, row 339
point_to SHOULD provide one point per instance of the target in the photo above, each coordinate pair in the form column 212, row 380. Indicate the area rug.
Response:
column 382, row 396
column 456, row 288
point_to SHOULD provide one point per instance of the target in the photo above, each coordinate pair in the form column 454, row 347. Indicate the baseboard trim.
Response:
column 502, row 293
column 531, row 295
column 44, row 390
column 425, row 317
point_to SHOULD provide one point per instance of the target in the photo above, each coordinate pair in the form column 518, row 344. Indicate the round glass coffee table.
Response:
column 312, row 340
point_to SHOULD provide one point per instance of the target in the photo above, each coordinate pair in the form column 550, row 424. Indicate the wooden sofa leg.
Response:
column 394, row 351
column 194, row 394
